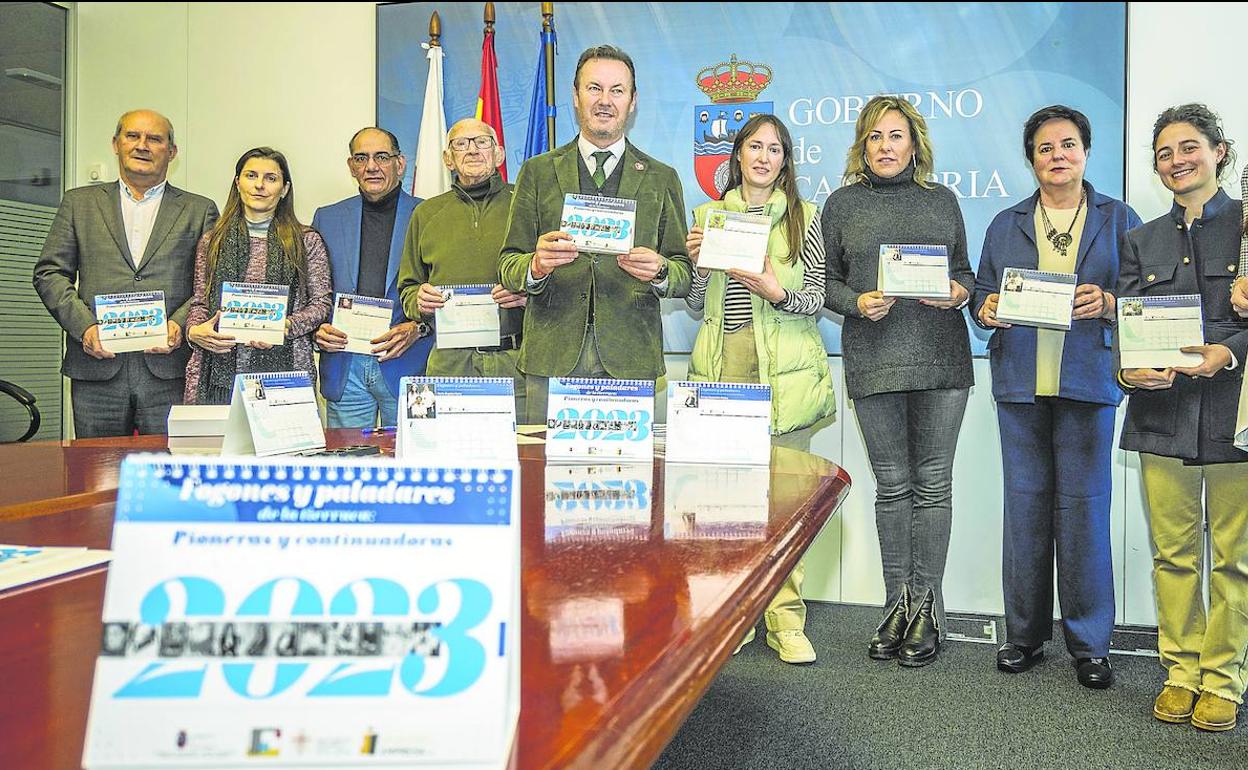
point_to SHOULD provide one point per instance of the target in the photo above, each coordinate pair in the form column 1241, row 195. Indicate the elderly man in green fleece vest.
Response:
column 454, row 238
column 592, row 315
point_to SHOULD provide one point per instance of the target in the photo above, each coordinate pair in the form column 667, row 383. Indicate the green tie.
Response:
column 600, row 173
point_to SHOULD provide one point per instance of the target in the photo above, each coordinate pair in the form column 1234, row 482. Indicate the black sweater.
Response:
column 914, row 347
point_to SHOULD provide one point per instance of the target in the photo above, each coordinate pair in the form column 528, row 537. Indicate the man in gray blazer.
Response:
column 136, row 235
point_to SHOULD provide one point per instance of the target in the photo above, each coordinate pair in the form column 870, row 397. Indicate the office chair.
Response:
column 23, row 397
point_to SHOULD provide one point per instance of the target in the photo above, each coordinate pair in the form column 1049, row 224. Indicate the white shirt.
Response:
column 138, row 216
column 587, row 150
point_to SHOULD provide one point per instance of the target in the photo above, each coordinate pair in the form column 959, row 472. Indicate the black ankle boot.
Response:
column 922, row 640
column 892, row 630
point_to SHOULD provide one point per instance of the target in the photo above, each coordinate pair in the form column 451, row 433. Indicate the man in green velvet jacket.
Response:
column 592, row 315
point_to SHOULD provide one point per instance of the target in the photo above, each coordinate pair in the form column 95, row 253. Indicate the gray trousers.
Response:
column 588, row 365
column 911, row 437
column 134, row 399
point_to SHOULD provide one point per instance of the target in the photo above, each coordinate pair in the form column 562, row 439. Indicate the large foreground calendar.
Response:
column 302, row 614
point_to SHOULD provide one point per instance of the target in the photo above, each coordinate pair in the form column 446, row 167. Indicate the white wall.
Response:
column 301, row 77
column 231, row 76
column 1166, row 67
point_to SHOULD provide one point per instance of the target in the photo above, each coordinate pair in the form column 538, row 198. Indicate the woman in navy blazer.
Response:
column 1181, row 420
column 1056, row 397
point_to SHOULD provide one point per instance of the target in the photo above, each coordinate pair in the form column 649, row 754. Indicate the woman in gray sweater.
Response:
column 907, row 361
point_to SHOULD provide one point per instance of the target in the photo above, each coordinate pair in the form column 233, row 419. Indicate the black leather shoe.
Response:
column 922, row 640
column 1017, row 658
column 892, row 630
column 1094, row 672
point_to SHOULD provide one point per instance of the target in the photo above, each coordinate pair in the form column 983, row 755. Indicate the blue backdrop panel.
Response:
column 975, row 71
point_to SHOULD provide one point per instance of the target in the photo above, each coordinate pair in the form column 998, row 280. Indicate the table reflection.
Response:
column 707, row 502
column 598, row 502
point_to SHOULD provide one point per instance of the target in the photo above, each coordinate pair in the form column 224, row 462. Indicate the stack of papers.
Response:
column 197, row 428
column 20, row 564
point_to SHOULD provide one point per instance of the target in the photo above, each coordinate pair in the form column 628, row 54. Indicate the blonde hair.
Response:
column 856, row 160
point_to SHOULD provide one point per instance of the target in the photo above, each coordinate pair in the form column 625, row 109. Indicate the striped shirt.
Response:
column 807, row 300
column 1243, row 240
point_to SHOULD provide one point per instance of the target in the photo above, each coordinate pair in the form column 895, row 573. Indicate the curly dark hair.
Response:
column 1204, row 120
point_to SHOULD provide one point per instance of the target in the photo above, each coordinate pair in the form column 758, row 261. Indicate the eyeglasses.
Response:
column 482, row 142
column 361, row 158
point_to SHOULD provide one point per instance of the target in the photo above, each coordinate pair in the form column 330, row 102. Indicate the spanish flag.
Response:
column 488, row 110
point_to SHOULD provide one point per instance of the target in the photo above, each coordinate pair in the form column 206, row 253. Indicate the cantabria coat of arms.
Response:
column 733, row 86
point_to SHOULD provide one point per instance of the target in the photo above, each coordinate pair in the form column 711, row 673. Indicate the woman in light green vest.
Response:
column 760, row 327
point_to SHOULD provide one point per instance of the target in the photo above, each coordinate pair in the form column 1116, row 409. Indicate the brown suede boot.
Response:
column 1174, row 704
column 1214, row 713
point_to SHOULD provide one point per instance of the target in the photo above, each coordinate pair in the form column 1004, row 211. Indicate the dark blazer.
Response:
column 339, row 225
column 1088, row 366
column 626, row 310
column 87, row 244
column 1195, row 418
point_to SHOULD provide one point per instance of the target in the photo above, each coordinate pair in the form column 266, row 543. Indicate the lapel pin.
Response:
column 639, row 166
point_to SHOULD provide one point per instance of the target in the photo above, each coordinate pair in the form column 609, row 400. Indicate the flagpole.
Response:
column 548, row 26
column 430, row 176
column 489, row 107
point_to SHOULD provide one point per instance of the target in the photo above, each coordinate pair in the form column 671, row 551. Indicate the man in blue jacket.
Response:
column 364, row 234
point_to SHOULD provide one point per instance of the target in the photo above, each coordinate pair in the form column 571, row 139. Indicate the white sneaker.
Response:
column 792, row 645
column 748, row 638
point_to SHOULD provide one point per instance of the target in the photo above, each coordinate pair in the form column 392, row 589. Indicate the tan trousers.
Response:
column 1201, row 652
column 787, row 611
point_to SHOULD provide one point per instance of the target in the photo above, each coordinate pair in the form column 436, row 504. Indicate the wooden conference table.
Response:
column 622, row 630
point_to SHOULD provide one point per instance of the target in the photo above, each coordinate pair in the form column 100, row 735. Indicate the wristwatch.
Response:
column 423, row 330
column 660, row 276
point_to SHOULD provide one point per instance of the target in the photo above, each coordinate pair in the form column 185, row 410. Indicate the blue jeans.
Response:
column 1057, row 454
column 364, row 395
column 911, row 437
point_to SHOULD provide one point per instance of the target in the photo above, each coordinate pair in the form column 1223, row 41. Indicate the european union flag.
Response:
column 540, row 136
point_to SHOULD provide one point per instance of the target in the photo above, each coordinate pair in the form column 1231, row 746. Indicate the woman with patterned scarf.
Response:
column 258, row 239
